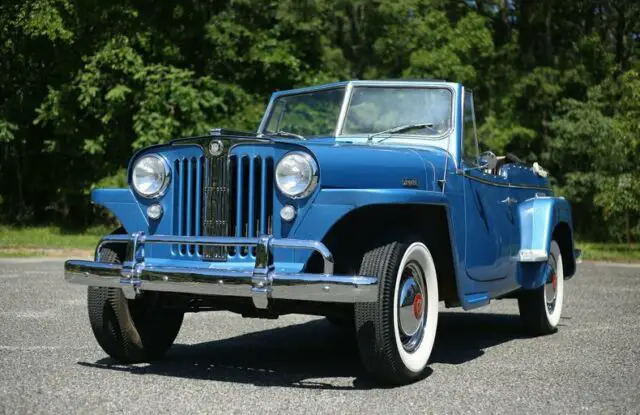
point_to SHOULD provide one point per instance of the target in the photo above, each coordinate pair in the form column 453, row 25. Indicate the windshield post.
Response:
column 265, row 117
column 343, row 110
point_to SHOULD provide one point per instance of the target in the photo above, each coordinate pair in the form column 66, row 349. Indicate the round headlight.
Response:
column 297, row 174
column 150, row 176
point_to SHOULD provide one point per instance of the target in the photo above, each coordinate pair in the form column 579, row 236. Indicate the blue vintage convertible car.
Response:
column 367, row 202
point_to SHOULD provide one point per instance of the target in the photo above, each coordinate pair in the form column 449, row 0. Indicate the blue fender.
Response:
column 331, row 205
column 123, row 204
column 539, row 218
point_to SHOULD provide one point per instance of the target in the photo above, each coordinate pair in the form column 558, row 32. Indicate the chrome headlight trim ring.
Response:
column 313, row 180
column 164, row 185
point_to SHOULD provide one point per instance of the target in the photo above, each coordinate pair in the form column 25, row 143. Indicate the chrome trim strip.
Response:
column 507, row 184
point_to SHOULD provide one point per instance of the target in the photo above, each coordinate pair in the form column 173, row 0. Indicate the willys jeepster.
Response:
column 367, row 202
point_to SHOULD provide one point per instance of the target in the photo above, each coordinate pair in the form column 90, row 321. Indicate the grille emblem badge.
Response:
column 216, row 147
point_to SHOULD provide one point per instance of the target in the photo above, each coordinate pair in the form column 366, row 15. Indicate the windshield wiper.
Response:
column 287, row 134
column 399, row 129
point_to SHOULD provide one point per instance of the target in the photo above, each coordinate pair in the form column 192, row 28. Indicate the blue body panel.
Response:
column 538, row 218
column 490, row 218
column 489, row 240
column 124, row 206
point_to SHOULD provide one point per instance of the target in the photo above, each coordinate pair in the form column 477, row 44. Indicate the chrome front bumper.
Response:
column 261, row 283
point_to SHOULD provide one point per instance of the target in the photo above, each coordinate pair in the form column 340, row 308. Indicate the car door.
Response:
column 489, row 214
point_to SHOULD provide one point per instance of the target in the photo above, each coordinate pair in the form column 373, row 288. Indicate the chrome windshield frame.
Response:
column 346, row 100
column 400, row 84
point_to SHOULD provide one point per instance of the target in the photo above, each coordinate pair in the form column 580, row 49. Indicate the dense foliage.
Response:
column 85, row 83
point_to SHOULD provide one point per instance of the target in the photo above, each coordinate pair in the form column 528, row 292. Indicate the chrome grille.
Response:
column 216, row 209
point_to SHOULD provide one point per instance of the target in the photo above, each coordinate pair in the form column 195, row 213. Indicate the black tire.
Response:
column 535, row 313
column 531, row 314
column 130, row 331
column 375, row 330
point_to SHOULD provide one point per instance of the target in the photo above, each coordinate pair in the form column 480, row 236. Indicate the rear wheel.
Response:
column 540, row 309
column 131, row 330
column 396, row 333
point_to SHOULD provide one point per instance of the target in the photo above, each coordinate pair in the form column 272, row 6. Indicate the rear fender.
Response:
column 541, row 220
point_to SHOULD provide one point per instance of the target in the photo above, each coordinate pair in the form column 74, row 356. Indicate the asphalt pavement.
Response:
column 221, row 363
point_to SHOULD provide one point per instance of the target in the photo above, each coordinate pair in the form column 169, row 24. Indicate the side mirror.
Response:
column 488, row 160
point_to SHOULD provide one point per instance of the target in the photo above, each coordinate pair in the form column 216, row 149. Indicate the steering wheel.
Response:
column 488, row 160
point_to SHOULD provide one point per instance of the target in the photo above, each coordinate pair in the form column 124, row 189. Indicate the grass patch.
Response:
column 596, row 251
column 49, row 237
column 20, row 253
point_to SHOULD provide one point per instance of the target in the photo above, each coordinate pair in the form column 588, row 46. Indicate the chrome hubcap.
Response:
column 412, row 306
column 551, row 287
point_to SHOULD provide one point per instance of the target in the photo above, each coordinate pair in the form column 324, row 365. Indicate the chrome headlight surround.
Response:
column 296, row 175
column 160, row 172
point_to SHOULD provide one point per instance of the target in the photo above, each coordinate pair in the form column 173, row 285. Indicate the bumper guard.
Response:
column 262, row 283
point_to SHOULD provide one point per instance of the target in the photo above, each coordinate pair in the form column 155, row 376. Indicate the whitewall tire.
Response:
column 541, row 308
column 396, row 334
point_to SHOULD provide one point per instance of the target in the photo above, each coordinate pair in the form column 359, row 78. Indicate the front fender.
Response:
column 539, row 218
column 331, row 205
column 124, row 206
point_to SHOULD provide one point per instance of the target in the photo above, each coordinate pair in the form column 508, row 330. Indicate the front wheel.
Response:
column 396, row 333
column 540, row 309
column 131, row 331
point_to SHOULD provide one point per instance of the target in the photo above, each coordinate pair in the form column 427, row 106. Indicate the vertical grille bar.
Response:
column 239, row 190
column 189, row 203
column 221, row 196
column 181, row 202
column 268, row 196
column 198, row 194
column 263, row 193
column 223, row 210
column 233, row 186
column 252, row 197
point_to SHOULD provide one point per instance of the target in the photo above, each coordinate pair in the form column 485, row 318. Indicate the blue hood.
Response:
column 361, row 166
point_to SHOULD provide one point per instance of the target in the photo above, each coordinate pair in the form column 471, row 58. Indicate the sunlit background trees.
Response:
column 85, row 83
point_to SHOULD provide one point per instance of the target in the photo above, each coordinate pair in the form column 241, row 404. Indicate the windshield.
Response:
column 371, row 110
column 309, row 114
column 376, row 109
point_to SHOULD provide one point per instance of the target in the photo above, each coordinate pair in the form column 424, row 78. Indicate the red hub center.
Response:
column 554, row 280
column 417, row 306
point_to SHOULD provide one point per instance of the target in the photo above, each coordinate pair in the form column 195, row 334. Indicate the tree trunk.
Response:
column 548, row 40
column 620, row 32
